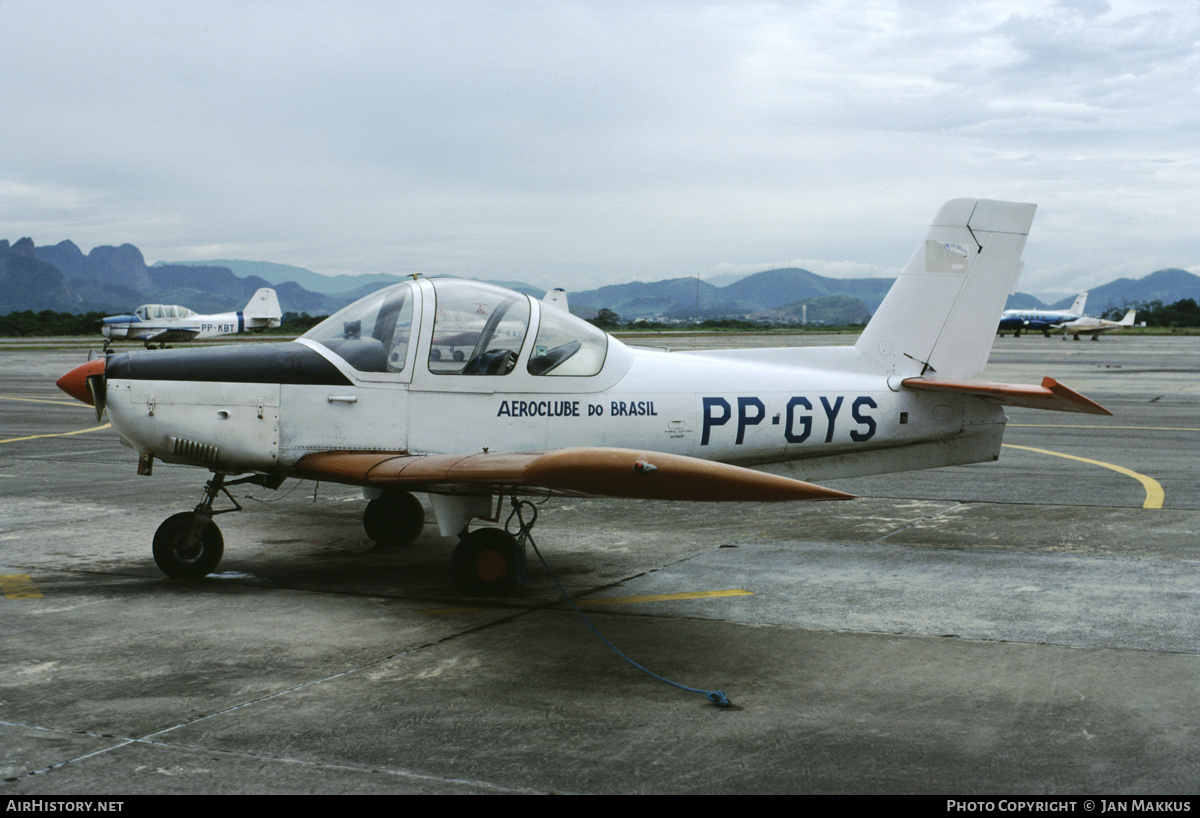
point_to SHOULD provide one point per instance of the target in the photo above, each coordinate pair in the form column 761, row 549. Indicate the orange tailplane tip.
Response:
column 74, row 383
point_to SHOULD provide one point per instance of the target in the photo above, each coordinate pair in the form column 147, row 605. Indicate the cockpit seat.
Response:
column 492, row 362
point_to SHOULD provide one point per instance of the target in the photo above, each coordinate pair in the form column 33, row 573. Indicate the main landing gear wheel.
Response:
column 394, row 519
column 489, row 562
column 180, row 559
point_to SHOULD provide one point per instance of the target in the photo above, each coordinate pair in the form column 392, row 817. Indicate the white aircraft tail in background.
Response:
column 557, row 298
column 263, row 310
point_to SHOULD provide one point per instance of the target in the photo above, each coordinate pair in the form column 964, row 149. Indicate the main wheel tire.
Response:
column 394, row 519
column 487, row 562
column 169, row 548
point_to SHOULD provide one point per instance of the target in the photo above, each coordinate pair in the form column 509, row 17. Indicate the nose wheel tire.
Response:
column 489, row 562
column 176, row 558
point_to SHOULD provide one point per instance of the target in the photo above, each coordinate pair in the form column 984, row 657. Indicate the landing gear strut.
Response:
column 189, row 545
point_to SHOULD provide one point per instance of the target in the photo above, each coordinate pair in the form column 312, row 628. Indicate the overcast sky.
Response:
column 584, row 143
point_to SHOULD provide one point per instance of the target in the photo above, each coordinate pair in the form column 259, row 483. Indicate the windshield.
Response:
column 373, row 333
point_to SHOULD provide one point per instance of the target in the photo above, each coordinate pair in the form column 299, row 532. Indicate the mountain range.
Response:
column 110, row 279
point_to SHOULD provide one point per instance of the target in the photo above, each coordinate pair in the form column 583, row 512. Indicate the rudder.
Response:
column 940, row 316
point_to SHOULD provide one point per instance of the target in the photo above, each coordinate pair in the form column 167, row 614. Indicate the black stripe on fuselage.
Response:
column 244, row 363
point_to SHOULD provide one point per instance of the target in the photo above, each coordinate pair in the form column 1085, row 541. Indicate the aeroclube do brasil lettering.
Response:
column 571, row 409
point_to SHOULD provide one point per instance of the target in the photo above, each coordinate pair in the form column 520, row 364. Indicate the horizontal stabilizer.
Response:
column 1050, row 395
column 595, row 472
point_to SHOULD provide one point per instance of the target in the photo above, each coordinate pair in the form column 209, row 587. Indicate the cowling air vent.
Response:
column 192, row 450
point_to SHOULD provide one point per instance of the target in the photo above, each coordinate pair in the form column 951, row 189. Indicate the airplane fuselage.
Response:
column 264, row 407
column 197, row 327
column 1034, row 319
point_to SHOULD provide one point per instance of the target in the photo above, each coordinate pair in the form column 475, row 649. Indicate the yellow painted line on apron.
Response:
column 613, row 600
column 58, row 434
column 622, row 600
column 1101, row 426
column 44, row 400
column 1154, row 491
column 19, row 586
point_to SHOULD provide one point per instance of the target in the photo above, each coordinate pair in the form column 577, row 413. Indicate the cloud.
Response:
column 600, row 142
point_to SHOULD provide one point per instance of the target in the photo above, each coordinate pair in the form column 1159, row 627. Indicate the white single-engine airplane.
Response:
column 546, row 404
column 161, row 323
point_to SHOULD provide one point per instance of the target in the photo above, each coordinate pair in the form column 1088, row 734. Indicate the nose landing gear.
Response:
column 189, row 545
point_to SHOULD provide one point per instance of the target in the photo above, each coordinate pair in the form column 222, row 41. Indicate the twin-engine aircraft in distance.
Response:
column 163, row 323
column 1096, row 326
column 545, row 404
column 1018, row 321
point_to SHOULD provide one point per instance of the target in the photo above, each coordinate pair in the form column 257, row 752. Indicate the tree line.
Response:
column 1183, row 313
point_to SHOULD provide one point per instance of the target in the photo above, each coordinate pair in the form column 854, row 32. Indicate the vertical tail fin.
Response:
column 558, row 298
column 1080, row 304
column 940, row 316
column 263, row 310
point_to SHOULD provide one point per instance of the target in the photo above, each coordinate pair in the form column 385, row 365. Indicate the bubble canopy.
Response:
column 476, row 329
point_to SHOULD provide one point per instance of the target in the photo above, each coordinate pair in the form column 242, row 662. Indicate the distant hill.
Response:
column 837, row 310
column 28, row 283
column 351, row 287
column 1025, row 301
column 1167, row 286
column 279, row 273
column 115, row 279
column 684, row 298
column 790, row 284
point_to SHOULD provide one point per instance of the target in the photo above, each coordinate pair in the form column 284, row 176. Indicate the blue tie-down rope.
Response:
column 717, row 697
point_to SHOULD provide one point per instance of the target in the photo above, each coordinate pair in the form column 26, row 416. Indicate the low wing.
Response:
column 594, row 472
column 1050, row 395
column 169, row 334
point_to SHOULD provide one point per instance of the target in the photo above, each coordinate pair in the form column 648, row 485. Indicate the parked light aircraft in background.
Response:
column 546, row 404
column 161, row 323
column 1095, row 326
column 1041, row 320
